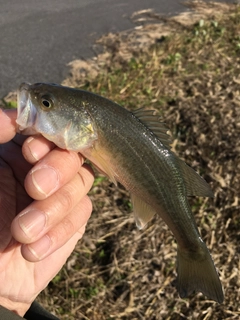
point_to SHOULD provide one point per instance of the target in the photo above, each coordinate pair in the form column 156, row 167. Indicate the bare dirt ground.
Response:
column 188, row 70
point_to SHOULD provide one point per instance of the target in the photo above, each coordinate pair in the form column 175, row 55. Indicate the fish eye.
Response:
column 46, row 102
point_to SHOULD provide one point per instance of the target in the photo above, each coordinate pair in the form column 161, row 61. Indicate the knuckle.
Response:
column 71, row 159
column 66, row 198
column 63, row 232
column 68, row 226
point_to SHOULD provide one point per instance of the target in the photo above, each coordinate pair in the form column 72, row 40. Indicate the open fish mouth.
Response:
column 26, row 112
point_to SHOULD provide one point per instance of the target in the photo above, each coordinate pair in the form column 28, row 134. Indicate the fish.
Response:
column 132, row 148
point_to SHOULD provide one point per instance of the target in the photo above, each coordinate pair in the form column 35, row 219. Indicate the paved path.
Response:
column 39, row 38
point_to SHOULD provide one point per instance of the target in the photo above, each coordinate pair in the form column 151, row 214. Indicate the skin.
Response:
column 43, row 212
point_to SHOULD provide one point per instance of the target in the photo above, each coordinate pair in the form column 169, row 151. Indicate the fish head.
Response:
column 56, row 113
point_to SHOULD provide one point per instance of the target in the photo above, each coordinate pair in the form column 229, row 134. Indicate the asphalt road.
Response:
column 39, row 38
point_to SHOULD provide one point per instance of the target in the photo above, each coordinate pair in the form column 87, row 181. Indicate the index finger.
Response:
column 7, row 124
column 52, row 172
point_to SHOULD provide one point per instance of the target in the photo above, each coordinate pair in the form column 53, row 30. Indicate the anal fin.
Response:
column 143, row 213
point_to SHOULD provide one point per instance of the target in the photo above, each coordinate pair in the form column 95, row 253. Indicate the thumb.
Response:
column 7, row 124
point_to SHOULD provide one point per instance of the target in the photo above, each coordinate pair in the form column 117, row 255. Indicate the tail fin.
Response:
column 197, row 273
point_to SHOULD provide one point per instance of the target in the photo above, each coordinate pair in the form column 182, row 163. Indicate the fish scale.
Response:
column 131, row 148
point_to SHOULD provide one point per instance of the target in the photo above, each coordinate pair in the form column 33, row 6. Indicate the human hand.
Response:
column 38, row 228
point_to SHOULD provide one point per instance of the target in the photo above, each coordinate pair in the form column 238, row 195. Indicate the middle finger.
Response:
column 41, row 216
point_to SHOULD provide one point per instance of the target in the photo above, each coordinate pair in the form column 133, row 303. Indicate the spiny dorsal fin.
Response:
column 195, row 184
column 157, row 127
column 143, row 213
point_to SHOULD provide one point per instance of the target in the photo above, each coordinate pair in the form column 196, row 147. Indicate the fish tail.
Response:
column 197, row 273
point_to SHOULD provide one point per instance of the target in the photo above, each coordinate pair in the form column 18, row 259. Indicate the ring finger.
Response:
column 74, row 223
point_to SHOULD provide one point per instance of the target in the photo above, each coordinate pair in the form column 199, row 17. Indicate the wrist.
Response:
column 19, row 308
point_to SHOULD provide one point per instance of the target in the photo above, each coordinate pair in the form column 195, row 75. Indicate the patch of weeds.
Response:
column 92, row 291
column 74, row 293
column 208, row 29
column 9, row 104
column 198, row 202
column 98, row 180
column 173, row 58
column 57, row 278
column 135, row 64
column 102, row 254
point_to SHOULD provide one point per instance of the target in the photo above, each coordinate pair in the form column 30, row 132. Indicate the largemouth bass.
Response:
column 132, row 148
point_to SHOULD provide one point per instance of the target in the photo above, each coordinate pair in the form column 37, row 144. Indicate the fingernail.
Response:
column 45, row 180
column 32, row 223
column 33, row 148
column 41, row 247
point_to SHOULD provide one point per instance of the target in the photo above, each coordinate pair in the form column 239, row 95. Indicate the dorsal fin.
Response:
column 150, row 120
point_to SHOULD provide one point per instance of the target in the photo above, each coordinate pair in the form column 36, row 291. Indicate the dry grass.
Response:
column 192, row 78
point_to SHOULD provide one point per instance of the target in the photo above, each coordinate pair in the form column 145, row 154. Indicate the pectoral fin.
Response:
column 102, row 164
column 143, row 213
